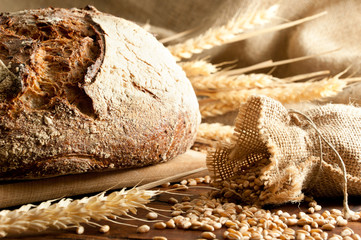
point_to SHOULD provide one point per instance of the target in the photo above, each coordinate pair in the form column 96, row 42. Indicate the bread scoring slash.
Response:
column 83, row 91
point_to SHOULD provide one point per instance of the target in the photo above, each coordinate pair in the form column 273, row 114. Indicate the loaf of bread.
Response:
column 84, row 91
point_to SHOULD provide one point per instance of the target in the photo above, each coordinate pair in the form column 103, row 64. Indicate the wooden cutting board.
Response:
column 18, row 193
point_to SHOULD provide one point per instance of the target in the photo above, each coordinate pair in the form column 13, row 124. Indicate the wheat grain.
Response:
column 69, row 213
column 223, row 81
column 215, row 108
column 218, row 35
column 289, row 93
column 143, row 229
column 198, row 68
column 104, row 229
column 208, row 235
column 215, row 132
column 159, row 238
column 214, row 211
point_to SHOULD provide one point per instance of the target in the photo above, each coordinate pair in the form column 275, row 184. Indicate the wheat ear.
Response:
column 215, row 108
column 215, row 132
column 289, row 93
column 218, row 35
column 222, row 81
column 198, row 68
column 69, row 213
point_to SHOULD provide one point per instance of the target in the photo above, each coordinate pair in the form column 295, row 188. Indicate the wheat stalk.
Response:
column 215, row 132
column 198, row 68
column 223, row 81
column 69, row 213
column 307, row 76
column 289, row 93
column 219, row 35
column 215, row 108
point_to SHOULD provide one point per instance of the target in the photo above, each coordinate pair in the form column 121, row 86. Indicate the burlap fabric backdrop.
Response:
column 339, row 29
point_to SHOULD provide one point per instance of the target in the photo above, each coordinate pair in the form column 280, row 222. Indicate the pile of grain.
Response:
column 210, row 216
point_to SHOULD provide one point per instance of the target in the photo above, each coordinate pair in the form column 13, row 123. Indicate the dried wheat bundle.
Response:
column 219, row 35
column 289, row 93
column 221, row 102
column 68, row 213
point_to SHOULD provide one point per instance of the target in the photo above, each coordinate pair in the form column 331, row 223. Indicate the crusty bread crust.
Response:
column 123, row 102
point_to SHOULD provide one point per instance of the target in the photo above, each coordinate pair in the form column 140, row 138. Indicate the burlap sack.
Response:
column 284, row 150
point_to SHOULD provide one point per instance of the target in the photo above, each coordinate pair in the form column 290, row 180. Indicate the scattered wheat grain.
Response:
column 159, row 238
column 172, row 200
column 164, row 185
column 80, row 230
column 159, row 225
column 328, row 227
column 104, row 229
column 151, row 215
column 143, row 229
column 208, row 235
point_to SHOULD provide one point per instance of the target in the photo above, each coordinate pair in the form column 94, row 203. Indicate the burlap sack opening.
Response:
column 282, row 151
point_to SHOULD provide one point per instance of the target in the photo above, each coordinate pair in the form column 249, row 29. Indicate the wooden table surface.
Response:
column 118, row 231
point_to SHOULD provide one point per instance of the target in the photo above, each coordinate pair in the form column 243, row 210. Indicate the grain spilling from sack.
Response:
column 279, row 155
column 207, row 213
